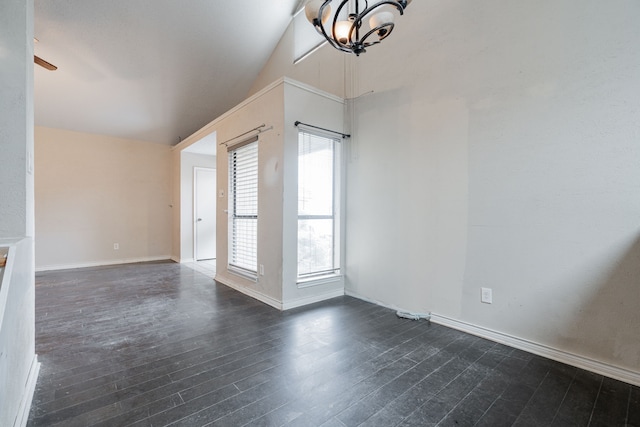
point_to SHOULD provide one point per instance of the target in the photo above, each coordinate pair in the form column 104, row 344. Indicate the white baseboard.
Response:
column 274, row 302
column 299, row 302
column 27, row 397
column 250, row 292
column 102, row 263
column 372, row 301
column 581, row 362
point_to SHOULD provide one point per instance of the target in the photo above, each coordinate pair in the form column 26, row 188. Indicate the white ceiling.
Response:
column 152, row 70
column 206, row 145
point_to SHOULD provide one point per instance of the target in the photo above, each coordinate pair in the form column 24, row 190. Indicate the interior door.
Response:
column 205, row 213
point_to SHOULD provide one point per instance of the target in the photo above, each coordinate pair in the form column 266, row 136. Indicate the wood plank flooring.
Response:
column 160, row 344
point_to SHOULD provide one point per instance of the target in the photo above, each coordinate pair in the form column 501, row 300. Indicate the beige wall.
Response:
column 499, row 149
column 176, row 217
column 93, row 191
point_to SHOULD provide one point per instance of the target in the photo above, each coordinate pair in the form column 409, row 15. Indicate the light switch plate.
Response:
column 486, row 295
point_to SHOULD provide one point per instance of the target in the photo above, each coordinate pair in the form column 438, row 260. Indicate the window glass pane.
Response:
column 243, row 206
column 315, row 246
column 316, row 206
column 305, row 36
column 245, row 236
column 315, row 175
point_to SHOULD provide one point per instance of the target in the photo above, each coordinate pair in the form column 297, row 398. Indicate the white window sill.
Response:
column 319, row 280
column 243, row 274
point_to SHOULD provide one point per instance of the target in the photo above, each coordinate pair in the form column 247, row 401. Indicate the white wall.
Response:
column 408, row 168
column 16, row 118
column 266, row 109
column 553, row 177
column 19, row 365
column 93, row 191
column 323, row 70
column 18, row 361
column 500, row 149
column 319, row 109
column 276, row 107
column 188, row 161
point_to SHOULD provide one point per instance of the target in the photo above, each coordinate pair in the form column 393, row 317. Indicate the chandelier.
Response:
column 349, row 31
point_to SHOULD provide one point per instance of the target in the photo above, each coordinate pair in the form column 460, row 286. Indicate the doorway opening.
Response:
column 204, row 210
column 198, row 200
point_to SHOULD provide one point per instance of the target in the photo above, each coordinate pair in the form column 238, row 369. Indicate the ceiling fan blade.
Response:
column 41, row 62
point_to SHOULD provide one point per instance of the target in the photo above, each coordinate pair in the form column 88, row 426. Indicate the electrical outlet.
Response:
column 261, row 269
column 486, row 295
column 116, row 246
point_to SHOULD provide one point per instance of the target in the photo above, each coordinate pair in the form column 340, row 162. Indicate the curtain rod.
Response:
column 249, row 131
column 343, row 135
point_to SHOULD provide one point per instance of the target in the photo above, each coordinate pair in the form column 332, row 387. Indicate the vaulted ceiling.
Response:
column 152, row 70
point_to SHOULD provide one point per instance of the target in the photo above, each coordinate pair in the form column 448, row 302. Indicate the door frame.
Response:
column 194, row 208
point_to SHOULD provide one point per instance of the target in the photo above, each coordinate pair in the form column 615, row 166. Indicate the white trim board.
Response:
column 282, row 306
column 250, row 292
column 581, row 362
column 299, row 302
column 103, row 263
column 5, row 281
column 27, row 397
column 376, row 302
column 210, row 127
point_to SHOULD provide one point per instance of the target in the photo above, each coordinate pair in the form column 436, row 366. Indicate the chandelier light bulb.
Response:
column 381, row 19
column 342, row 31
column 312, row 10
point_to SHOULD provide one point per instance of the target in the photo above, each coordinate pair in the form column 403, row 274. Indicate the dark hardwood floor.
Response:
column 161, row 344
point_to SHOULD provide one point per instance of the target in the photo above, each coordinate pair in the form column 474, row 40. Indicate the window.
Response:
column 243, row 208
column 305, row 37
column 318, row 225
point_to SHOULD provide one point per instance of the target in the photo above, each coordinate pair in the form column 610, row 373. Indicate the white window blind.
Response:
column 243, row 207
column 317, row 226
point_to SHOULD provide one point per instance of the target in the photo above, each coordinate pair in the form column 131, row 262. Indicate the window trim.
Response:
column 334, row 274
column 234, row 268
column 311, row 39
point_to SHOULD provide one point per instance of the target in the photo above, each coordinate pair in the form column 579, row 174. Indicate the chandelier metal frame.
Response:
column 354, row 42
